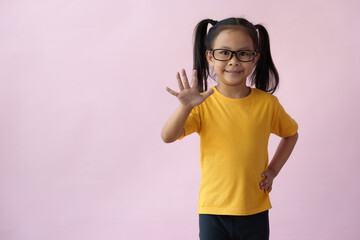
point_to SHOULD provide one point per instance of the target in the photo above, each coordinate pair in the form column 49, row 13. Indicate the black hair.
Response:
column 265, row 76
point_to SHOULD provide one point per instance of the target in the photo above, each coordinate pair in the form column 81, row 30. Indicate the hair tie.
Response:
column 213, row 22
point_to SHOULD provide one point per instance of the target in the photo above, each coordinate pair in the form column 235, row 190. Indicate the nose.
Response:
column 234, row 61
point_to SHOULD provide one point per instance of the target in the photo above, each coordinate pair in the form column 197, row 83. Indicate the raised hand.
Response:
column 189, row 96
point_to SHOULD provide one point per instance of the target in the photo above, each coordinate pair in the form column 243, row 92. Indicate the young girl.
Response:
column 234, row 123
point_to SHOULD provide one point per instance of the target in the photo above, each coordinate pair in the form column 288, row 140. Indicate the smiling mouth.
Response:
column 233, row 72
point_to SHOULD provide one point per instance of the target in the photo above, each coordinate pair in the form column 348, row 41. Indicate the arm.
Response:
column 189, row 97
column 281, row 155
column 174, row 127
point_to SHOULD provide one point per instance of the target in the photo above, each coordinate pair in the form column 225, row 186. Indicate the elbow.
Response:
column 166, row 138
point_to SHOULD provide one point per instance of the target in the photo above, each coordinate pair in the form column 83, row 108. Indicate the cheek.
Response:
column 218, row 70
column 250, row 67
column 219, row 65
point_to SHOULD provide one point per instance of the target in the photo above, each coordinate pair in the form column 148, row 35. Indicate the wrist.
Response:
column 186, row 108
column 273, row 171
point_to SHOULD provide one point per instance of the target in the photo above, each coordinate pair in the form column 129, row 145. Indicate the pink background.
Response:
column 83, row 100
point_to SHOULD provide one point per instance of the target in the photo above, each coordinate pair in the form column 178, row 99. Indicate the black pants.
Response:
column 224, row 227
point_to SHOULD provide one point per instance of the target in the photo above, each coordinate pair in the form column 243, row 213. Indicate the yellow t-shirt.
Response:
column 234, row 136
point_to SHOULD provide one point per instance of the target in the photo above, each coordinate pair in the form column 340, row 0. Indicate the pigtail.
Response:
column 200, row 62
column 265, row 76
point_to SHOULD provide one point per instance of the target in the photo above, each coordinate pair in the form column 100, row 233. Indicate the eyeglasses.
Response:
column 241, row 55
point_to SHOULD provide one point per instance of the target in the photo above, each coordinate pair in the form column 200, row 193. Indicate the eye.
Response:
column 243, row 53
column 224, row 52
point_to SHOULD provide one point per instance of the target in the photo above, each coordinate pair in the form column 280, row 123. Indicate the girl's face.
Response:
column 232, row 72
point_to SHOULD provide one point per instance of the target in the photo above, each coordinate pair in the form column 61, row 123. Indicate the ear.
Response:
column 256, row 58
column 210, row 58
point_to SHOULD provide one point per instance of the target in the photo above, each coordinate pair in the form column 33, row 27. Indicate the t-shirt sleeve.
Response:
column 192, row 123
column 282, row 124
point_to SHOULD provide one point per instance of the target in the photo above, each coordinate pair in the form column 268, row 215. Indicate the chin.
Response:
column 232, row 84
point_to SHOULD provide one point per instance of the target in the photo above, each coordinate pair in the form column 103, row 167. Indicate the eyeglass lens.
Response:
column 224, row 55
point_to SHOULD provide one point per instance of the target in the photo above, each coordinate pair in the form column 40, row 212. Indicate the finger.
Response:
column 262, row 183
column 185, row 79
column 172, row 92
column 181, row 86
column 266, row 187
column 208, row 93
column 195, row 79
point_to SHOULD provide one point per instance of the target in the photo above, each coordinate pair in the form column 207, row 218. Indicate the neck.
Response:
column 236, row 92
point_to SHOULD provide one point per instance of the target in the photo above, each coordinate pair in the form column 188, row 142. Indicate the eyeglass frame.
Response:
column 232, row 54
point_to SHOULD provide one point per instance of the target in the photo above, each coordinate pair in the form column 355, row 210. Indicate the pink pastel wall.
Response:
column 83, row 100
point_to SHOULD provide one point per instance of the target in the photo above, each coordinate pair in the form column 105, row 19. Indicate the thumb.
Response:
column 208, row 93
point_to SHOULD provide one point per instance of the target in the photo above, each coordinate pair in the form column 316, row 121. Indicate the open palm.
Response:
column 189, row 96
